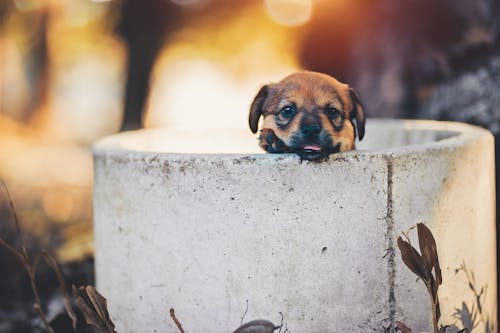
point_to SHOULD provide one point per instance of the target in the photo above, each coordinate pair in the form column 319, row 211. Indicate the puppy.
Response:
column 307, row 113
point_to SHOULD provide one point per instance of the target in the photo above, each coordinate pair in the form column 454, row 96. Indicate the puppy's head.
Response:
column 311, row 114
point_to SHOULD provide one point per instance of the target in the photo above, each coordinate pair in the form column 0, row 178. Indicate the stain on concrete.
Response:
column 244, row 160
column 391, row 266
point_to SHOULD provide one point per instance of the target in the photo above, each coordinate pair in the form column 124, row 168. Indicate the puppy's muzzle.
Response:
column 310, row 131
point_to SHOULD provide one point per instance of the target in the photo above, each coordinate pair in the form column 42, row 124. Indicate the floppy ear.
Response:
column 358, row 114
column 256, row 108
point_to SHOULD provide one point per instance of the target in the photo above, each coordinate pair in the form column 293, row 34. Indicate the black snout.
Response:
column 310, row 130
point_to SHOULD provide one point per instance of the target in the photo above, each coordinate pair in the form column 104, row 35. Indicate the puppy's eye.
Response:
column 332, row 112
column 288, row 111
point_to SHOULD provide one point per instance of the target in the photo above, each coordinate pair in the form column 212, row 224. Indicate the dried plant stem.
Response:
column 176, row 321
column 38, row 302
column 41, row 314
column 281, row 322
column 244, row 314
column 24, row 258
column 13, row 251
column 434, row 314
column 424, row 264
column 62, row 284
column 17, row 223
column 435, row 318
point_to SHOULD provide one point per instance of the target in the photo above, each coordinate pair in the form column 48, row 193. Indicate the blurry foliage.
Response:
column 30, row 264
column 30, row 260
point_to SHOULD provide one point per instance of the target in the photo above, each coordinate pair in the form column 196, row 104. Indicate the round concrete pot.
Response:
column 208, row 225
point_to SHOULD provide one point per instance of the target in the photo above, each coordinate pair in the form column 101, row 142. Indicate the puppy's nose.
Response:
column 310, row 130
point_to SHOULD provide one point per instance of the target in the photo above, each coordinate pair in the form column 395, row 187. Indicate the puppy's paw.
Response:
column 271, row 143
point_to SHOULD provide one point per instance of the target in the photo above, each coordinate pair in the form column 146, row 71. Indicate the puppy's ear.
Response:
column 256, row 108
column 358, row 114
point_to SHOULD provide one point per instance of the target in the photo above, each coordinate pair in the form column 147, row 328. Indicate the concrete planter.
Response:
column 209, row 226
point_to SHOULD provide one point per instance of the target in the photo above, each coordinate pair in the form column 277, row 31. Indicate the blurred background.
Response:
column 73, row 71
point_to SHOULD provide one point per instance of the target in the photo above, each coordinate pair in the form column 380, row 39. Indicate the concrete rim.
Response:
column 455, row 134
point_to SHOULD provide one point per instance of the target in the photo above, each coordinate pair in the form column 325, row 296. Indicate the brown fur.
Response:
column 310, row 94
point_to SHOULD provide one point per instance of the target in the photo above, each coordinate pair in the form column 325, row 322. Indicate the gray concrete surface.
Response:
column 209, row 226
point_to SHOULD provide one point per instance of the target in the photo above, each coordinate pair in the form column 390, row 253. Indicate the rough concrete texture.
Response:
column 219, row 237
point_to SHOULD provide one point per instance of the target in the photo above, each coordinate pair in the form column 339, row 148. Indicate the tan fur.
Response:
column 312, row 93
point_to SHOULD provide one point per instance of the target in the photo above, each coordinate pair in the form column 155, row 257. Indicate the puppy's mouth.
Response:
column 312, row 152
column 315, row 151
column 312, row 148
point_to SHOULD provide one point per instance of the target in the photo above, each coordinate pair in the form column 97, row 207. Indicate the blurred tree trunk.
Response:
column 39, row 54
column 144, row 25
column 35, row 58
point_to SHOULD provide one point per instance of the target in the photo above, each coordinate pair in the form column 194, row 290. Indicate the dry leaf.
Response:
column 94, row 308
column 428, row 249
column 423, row 264
column 412, row 258
column 257, row 326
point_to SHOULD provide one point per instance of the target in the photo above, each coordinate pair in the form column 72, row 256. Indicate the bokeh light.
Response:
column 209, row 74
column 189, row 2
column 289, row 12
column 27, row 5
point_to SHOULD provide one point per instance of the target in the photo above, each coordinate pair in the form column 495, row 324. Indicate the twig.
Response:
column 17, row 222
column 25, row 260
column 244, row 314
column 13, row 251
column 30, row 267
column 176, row 321
column 281, row 322
column 39, row 311
column 434, row 312
column 62, row 284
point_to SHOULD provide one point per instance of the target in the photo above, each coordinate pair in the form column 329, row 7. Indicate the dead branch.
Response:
column 25, row 260
column 244, row 314
column 176, row 321
column 62, row 284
